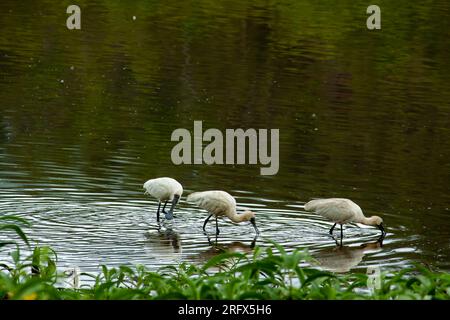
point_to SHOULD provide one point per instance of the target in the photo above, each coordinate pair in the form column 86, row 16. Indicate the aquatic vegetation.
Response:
column 269, row 274
column 12, row 223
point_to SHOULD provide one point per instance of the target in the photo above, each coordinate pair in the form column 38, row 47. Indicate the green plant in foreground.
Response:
column 265, row 275
column 12, row 223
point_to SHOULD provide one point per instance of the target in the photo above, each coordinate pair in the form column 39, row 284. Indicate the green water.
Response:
column 86, row 118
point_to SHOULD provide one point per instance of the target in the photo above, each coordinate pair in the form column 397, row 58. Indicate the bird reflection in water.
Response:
column 165, row 239
column 341, row 259
column 219, row 248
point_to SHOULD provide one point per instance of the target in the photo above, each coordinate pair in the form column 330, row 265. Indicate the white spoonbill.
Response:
column 342, row 211
column 164, row 189
column 221, row 203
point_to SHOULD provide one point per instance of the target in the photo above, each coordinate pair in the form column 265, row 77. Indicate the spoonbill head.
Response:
column 165, row 190
column 220, row 203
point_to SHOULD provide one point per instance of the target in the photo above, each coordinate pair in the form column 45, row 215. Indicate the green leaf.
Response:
column 14, row 218
column 221, row 258
column 17, row 230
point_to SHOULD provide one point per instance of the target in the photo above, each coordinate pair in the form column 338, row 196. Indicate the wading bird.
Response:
column 221, row 203
column 164, row 189
column 342, row 211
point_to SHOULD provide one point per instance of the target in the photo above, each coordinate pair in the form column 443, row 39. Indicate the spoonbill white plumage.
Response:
column 164, row 189
column 221, row 203
column 342, row 211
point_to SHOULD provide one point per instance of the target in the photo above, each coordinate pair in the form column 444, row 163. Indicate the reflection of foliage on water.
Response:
column 124, row 92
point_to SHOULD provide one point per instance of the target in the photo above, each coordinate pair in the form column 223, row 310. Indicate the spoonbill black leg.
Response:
column 383, row 232
column 380, row 240
column 169, row 215
column 157, row 212
column 206, row 221
column 342, row 234
column 209, row 239
column 252, row 244
column 332, row 228
column 335, row 241
column 253, row 222
column 217, row 227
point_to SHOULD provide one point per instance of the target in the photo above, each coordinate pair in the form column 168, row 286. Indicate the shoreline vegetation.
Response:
column 270, row 274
